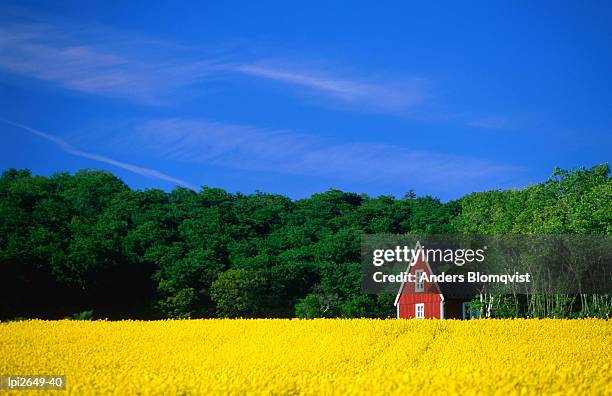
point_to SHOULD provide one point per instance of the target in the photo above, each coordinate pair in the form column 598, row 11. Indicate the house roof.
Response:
column 448, row 290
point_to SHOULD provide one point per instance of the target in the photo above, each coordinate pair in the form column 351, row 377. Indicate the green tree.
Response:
column 240, row 293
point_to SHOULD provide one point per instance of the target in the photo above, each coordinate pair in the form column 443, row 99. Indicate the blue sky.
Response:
column 284, row 98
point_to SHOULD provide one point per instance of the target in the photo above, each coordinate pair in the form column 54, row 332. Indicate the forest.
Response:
column 85, row 245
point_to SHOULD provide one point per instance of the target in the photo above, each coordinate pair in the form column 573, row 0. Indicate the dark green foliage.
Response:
column 84, row 315
column 309, row 307
column 240, row 293
column 359, row 306
column 71, row 243
column 569, row 202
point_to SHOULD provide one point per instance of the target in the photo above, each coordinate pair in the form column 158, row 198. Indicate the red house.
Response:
column 432, row 300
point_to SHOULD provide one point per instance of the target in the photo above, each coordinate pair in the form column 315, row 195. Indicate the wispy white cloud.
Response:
column 286, row 152
column 62, row 56
column 104, row 62
column 398, row 95
column 101, row 61
column 68, row 148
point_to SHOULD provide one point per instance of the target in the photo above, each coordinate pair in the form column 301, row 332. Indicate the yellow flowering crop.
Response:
column 314, row 356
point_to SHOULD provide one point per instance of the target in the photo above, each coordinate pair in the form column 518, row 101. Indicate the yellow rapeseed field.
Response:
column 314, row 357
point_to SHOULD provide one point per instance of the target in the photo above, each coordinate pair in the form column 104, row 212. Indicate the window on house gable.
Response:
column 419, row 285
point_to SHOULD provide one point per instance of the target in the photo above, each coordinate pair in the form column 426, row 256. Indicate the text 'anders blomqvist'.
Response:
column 472, row 277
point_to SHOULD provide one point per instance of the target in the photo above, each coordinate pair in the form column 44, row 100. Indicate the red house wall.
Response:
column 430, row 297
column 407, row 303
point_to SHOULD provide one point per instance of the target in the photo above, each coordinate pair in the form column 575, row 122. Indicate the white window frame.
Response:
column 419, row 313
column 419, row 283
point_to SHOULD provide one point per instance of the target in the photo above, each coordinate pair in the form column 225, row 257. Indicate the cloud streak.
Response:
column 379, row 96
column 145, row 71
column 287, row 152
column 68, row 148
column 44, row 52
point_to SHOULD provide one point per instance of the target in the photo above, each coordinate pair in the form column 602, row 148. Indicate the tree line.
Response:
column 74, row 243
